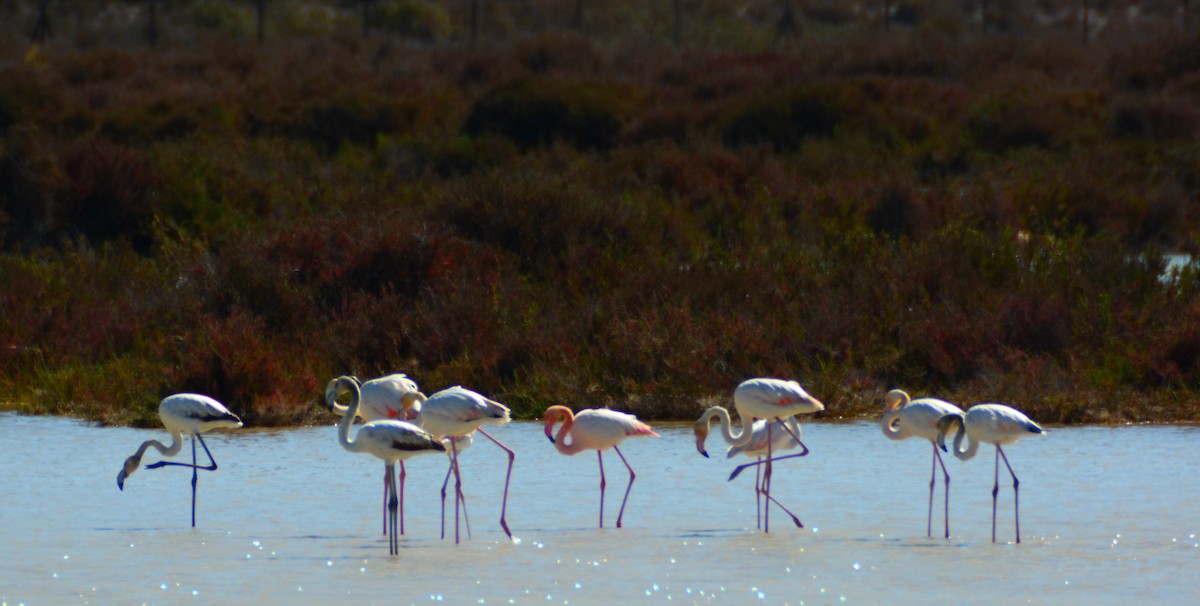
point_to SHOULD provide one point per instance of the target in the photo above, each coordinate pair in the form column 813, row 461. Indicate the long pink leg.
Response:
column 600, row 458
column 403, row 474
column 507, row 476
column 457, row 486
column 461, row 498
column 386, row 484
column 767, row 483
column 758, row 495
column 632, row 477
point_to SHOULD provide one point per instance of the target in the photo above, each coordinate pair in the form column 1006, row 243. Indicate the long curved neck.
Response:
column 167, row 451
column 348, row 418
column 739, row 439
column 972, row 443
column 560, row 439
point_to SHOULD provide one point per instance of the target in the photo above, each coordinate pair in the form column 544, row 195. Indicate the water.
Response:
column 1109, row 515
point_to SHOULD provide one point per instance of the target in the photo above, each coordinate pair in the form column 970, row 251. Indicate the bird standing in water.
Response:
column 596, row 429
column 183, row 413
column 905, row 418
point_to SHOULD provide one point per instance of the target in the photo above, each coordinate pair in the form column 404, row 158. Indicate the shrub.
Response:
column 784, row 121
column 535, row 112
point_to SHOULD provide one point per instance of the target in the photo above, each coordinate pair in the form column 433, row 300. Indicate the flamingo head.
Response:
column 554, row 414
column 337, row 388
column 410, row 404
column 701, row 431
column 946, row 425
column 130, row 466
column 895, row 400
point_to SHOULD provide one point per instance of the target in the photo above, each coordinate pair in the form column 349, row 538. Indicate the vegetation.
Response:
column 599, row 215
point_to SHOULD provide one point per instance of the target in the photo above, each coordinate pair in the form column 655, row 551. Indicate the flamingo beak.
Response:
column 121, row 480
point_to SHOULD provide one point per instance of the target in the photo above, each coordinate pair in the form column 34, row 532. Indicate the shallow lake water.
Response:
column 1108, row 515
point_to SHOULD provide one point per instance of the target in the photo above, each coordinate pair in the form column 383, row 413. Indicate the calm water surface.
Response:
column 1109, row 515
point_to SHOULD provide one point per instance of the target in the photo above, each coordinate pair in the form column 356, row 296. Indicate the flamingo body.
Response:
column 381, row 398
column 905, row 418
column 596, row 429
column 181, row 413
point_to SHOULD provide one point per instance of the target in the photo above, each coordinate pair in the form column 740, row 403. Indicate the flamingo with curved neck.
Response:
column 599, row 430
column 995, row 424
column 905, row 418
column 388, row 440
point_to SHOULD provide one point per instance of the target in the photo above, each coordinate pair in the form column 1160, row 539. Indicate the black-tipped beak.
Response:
column 551, row 438
column 121, row 482
column 705, row 453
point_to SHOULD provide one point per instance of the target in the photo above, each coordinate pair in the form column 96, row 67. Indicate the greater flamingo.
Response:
column 596, row 429
column 180, row 413
column 995, row 424
column 456, row 412
column 904, row 418
column 781, row 439
column 388, row 440
column 380, row 399
column 770, row 399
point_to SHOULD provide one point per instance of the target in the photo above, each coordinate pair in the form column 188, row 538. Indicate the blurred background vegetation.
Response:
column 625, row 204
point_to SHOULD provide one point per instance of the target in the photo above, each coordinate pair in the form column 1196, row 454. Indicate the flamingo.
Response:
column 380, row 399
column 183, row 412
column 456, row 412
column 596, row 429
column 771, row 399
column 904, row 418
column 389, row 440
column 995, row 424
column 757, row 447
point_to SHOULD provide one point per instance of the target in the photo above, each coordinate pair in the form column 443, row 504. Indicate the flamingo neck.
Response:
column 890, row 424
column 972, row 443
column 560, row 439
column 167, row 451
column 348, row 417
column 739, row 439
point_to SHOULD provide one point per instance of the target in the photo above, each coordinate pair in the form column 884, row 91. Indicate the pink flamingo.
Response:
column 596, row 429
column 772, row 399
column 183, row 412
column 456, row 412
column 380, row 400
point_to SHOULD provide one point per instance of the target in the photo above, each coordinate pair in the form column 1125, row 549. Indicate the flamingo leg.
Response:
column 737, row 471
column 194, row 478
column 600, row 458
column 403, row 475
column 945, row 487
column 507, row 476
column 457, row 486
column 632, row 477
column 445, row 483
column 766, row 488
column 995, row 489
column 387, row 481
column 757, row 495
column 393, row 506
column 932, row 476
column 1016, row 495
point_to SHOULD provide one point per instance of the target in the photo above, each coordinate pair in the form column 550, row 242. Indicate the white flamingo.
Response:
column 771, row 399
column 995, row 424
column 456, row 412
column 388, row 440
column 380, row 399
column 781, row 440
column 599, row 430
column 905, row 418
column 183, row 413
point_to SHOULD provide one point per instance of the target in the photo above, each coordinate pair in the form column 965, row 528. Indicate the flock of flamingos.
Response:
column 401, row 422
